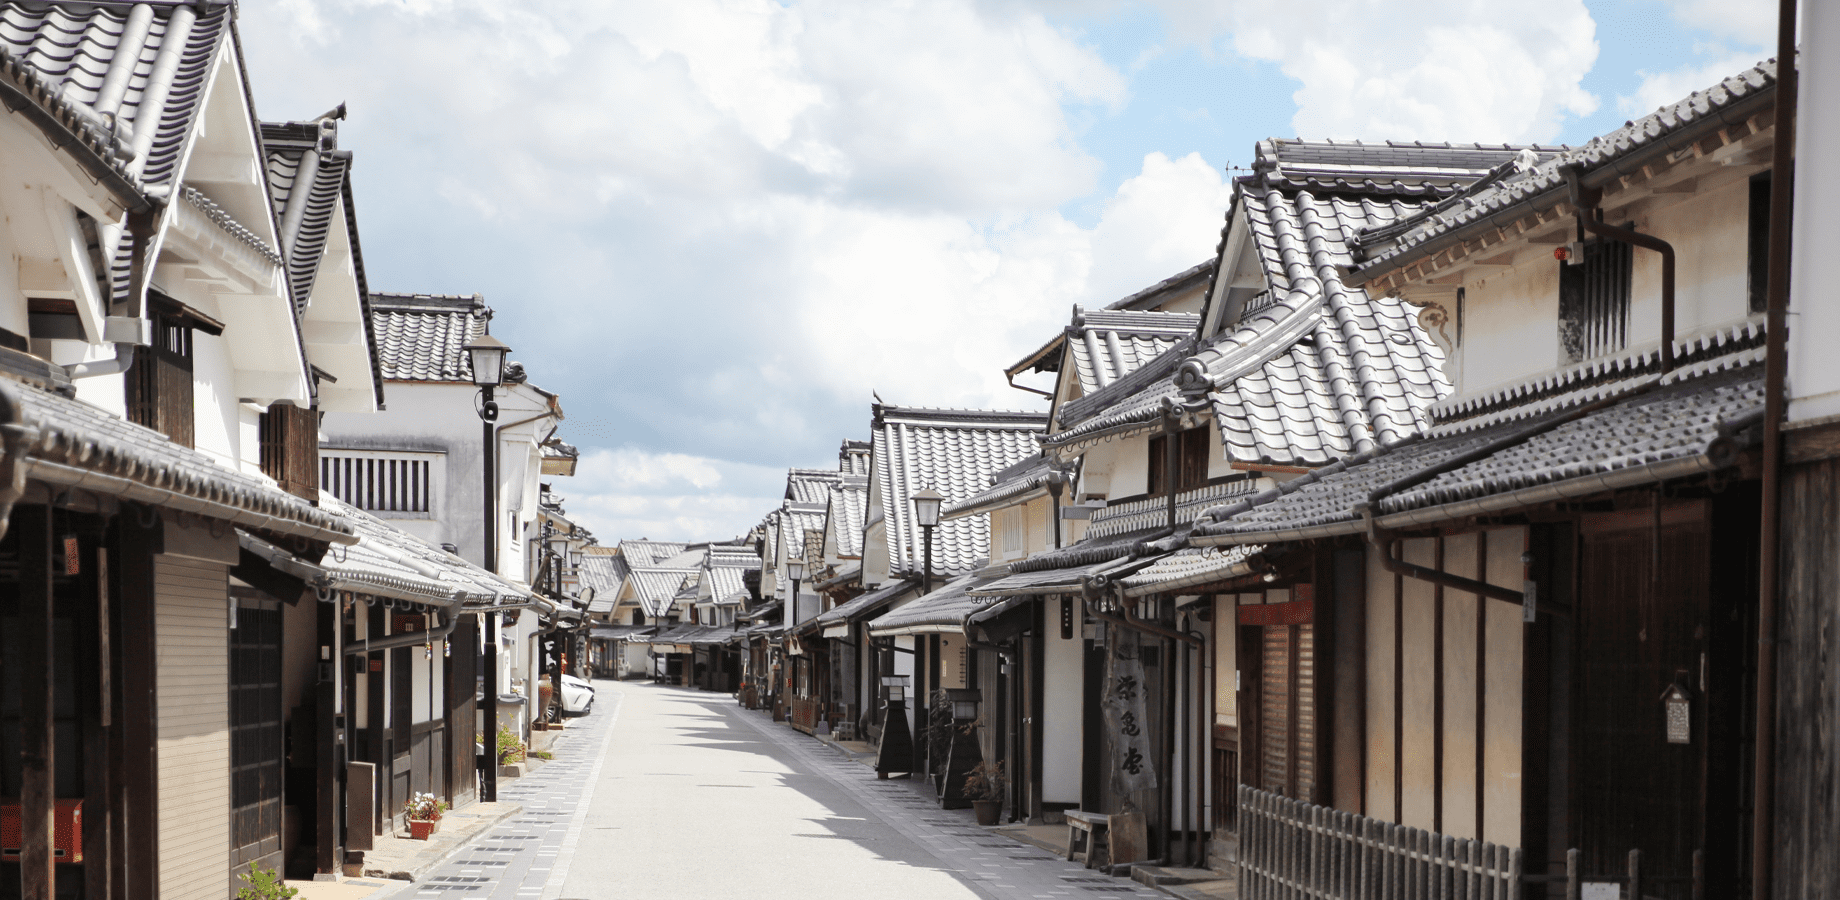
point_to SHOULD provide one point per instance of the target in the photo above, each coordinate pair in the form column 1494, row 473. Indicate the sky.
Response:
column 718, row 228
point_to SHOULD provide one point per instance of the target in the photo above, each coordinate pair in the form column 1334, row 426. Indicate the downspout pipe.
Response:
column 1776, row 361
column 1584, row 204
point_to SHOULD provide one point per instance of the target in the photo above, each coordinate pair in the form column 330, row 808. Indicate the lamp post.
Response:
column 926, row 513
column 487, row 354
column 795, row 570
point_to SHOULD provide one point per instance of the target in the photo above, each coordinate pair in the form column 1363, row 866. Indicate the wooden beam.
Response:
column 37, row 760
column 328, row 746
column 94, row 708
column 139, row 677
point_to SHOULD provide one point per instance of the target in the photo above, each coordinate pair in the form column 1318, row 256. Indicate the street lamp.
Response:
column 926, row 513
column 795, row 570
column 487, row 355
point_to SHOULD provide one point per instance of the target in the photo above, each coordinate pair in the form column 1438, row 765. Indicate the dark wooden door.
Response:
column 401, row 730
column 1639, row 630
column 256, row 746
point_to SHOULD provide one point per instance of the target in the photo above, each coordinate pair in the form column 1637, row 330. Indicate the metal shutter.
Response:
column 191, row 638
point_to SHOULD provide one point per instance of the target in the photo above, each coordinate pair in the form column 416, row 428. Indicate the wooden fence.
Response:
column 1295, row 851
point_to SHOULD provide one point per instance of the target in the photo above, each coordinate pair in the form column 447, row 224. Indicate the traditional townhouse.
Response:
column 419, row 466
column 176, row 322
column 614, row 645
column 1530, row 619
column 950, row 452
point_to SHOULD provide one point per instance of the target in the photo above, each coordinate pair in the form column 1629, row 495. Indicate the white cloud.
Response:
column 716, row 225
column 630, row 492
column 1743, row 33
column 1450, row 70
column 1658, row 89
column 1748, row 22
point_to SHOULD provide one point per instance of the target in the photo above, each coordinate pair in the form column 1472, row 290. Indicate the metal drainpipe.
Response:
column 1169, row 750
column 1775, row 364
column 1584, row 203
column 1170, row 459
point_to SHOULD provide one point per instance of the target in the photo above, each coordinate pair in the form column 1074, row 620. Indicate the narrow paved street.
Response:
column 694, row 797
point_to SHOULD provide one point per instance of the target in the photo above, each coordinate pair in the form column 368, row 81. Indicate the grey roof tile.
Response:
column 866, row 604
column 954, row 452
column 847, row 513
column 390, row 562
column 605, row 572
column 73, row 443
column 1677, row 422
column 946, row 607
column 419, row 336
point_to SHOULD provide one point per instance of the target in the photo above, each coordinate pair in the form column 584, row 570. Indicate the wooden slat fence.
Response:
column 1296, row 851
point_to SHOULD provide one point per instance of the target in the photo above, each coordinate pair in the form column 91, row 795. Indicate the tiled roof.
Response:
column 655, row 588
column 1149, row 513
column 853, row 458
column 953, row 452
column 1108, row 345
column 228, row 223
column 71, row 443
column 1688, row 425
column 1006, row 486
column 1313, row 369
column 634, row 633
column 286, row 145
column 726, row 580
column 1393, row 168
column 810, row 485
column 866, row 604
column 390, row 562
column 848, row 508
column 642, row 552
column 107, row 60
column 1047, row 581
column 305, row 204
column 1524, row 189
column 105, row 57
column 1191, row 567
column 419, row 336
column 604, row 572
column 944, row 609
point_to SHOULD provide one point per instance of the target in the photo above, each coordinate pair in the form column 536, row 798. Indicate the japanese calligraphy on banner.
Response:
column 1127, row 724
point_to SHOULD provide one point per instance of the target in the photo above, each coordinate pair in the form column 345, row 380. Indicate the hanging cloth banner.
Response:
column 1127, row 722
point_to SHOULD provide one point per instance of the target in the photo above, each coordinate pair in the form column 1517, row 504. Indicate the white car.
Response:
column 577, row 696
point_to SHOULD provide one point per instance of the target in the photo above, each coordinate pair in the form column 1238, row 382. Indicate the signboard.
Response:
column 1600, row 890
column 1679, row 715
column 1296, row 612
column 1127, row 721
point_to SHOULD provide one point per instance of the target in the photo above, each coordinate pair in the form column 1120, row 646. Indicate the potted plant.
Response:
column 985, row 786
column 424, row 814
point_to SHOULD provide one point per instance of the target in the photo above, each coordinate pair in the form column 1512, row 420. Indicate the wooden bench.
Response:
column 1086, row 836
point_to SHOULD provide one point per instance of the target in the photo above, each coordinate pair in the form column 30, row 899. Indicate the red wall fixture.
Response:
column 67, row 831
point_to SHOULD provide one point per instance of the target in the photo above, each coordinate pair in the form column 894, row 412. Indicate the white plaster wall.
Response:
column 1063, row 689
column 1510, row 318
column 1814, row 381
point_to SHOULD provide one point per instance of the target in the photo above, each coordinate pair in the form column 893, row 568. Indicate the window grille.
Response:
column 159, row 383
column 379, row 482
column 1594, row 301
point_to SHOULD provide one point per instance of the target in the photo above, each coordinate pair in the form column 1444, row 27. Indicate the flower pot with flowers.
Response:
column 985, row 786
column 424, row 814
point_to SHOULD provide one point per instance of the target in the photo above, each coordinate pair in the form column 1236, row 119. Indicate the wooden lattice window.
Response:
column 159, row 384
column 381, row 482
column 1287, row 711
column 1594, row 301
column 256, row 753
column 290, row 449
column 1191, row 460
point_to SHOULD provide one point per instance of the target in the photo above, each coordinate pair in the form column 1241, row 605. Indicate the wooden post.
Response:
column 140, row 698
column 1572, row 888
column 37, row 872
column 94, row 706
column 1635, row 874
column 375, row 681
column 329, row 744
